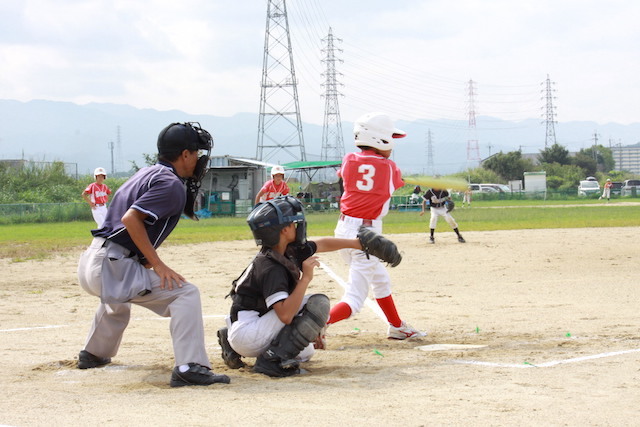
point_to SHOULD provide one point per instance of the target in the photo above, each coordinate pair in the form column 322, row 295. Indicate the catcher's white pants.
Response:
column 251, row 334
column 441, row 212
column 363, row 272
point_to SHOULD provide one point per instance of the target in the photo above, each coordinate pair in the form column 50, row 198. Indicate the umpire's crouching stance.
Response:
column 122, row 266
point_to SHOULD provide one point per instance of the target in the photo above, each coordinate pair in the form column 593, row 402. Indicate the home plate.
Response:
column 445, row 347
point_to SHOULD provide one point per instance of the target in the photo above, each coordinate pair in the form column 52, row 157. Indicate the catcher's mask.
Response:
column 268, row 218
column 177, row 137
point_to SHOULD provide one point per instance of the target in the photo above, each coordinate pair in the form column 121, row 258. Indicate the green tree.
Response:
column 555, row 154
column 585, row 161
column 509, row 166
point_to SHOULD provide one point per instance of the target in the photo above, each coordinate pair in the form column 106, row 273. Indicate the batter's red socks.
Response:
column 389, row 308
column 339, row 312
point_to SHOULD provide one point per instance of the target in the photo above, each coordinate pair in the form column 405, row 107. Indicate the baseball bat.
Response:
column 438, row 183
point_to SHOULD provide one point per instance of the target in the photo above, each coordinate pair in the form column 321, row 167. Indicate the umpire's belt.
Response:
column 358, row 221
column 114, row 246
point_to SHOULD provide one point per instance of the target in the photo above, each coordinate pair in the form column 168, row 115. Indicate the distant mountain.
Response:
column 47, row 131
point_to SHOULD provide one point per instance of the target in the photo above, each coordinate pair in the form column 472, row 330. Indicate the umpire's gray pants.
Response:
column 181, row 304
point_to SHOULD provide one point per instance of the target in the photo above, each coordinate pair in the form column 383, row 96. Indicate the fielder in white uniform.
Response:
column 369, row 180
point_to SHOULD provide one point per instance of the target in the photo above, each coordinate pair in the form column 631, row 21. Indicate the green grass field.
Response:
column 37, row 241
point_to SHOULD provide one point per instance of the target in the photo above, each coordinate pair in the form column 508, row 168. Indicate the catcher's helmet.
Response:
column 268, row 218
column 376, row 130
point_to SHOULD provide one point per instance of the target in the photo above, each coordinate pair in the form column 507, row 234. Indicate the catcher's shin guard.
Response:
column 279, row 359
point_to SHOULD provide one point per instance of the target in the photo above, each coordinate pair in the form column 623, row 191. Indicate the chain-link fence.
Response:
column 17, row 213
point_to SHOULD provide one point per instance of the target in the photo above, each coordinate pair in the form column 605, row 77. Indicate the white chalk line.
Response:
column 207, row 316
column 546, row 364
column 34, row 327
column 373, row 306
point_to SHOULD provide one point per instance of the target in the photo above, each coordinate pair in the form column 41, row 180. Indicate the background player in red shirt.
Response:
column 275, row 187
column 97, row 195
column 369, row 178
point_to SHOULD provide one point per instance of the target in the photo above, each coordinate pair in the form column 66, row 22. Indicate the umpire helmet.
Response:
column 177, row 137
column 268, row 218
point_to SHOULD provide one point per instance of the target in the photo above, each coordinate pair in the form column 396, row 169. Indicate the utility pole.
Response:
column 430, row 168
column 550, row 138
column 473, row 151
column 332, row 137
column 111, row 149
column 279, row 123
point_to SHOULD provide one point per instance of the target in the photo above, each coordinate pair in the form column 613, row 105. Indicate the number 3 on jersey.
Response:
column 368, row 172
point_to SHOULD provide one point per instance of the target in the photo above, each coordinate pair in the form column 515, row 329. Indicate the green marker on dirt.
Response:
column 378, row 352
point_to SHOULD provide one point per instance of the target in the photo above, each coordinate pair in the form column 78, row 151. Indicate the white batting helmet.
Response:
column 100, row 171
column 277, row 170
column 376, row 130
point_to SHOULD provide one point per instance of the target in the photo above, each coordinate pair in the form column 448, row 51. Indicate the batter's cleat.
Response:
column 232, row 359
column 87, row 360
column 403, row 332
column 432, row 239
column 273, row 368
column 461, row 239
column 196, row 375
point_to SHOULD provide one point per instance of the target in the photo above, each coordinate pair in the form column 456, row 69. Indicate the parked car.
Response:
column 502, row 188
column 616, row 188
column 588, row 188
column 482, row 188
column 628, row 187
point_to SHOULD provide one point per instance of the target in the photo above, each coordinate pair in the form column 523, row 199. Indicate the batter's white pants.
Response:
column 364, row 273
column 441, row 212
column 181, row 304
column 252, row 334
column 99, row 214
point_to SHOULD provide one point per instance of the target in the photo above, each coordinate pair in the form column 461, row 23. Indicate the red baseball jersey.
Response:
column 99, row 193
column 369, row 180
column 272, row 190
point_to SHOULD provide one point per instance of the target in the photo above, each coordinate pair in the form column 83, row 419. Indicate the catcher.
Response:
column 271, row 317
column 440, row 204
column 369, row 178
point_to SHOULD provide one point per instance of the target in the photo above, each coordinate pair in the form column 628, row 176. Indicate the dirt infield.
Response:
column 555, row 311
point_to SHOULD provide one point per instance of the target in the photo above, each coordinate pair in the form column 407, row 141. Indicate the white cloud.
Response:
column 413, row 57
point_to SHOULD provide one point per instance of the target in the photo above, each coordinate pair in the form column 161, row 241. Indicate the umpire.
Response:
column 122, row 266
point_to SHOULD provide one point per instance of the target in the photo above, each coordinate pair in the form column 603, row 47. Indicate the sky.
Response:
column 413, row 59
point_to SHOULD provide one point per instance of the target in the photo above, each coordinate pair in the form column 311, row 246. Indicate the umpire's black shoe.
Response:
column 273, row 368
column 232, row 359
column 196, row 375
column 87, row 360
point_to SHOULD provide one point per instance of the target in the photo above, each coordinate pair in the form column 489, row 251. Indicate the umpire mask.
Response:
column 188, row 136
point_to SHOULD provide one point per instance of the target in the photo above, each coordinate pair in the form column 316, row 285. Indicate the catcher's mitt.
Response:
column 379, row 246
column 449, row 205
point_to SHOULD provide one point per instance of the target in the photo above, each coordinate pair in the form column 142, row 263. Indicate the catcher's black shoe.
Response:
column 87, row 360
column 232, row 359
column 432, row 239
column 461, row 239
column 274, row 369
column 196, row 375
